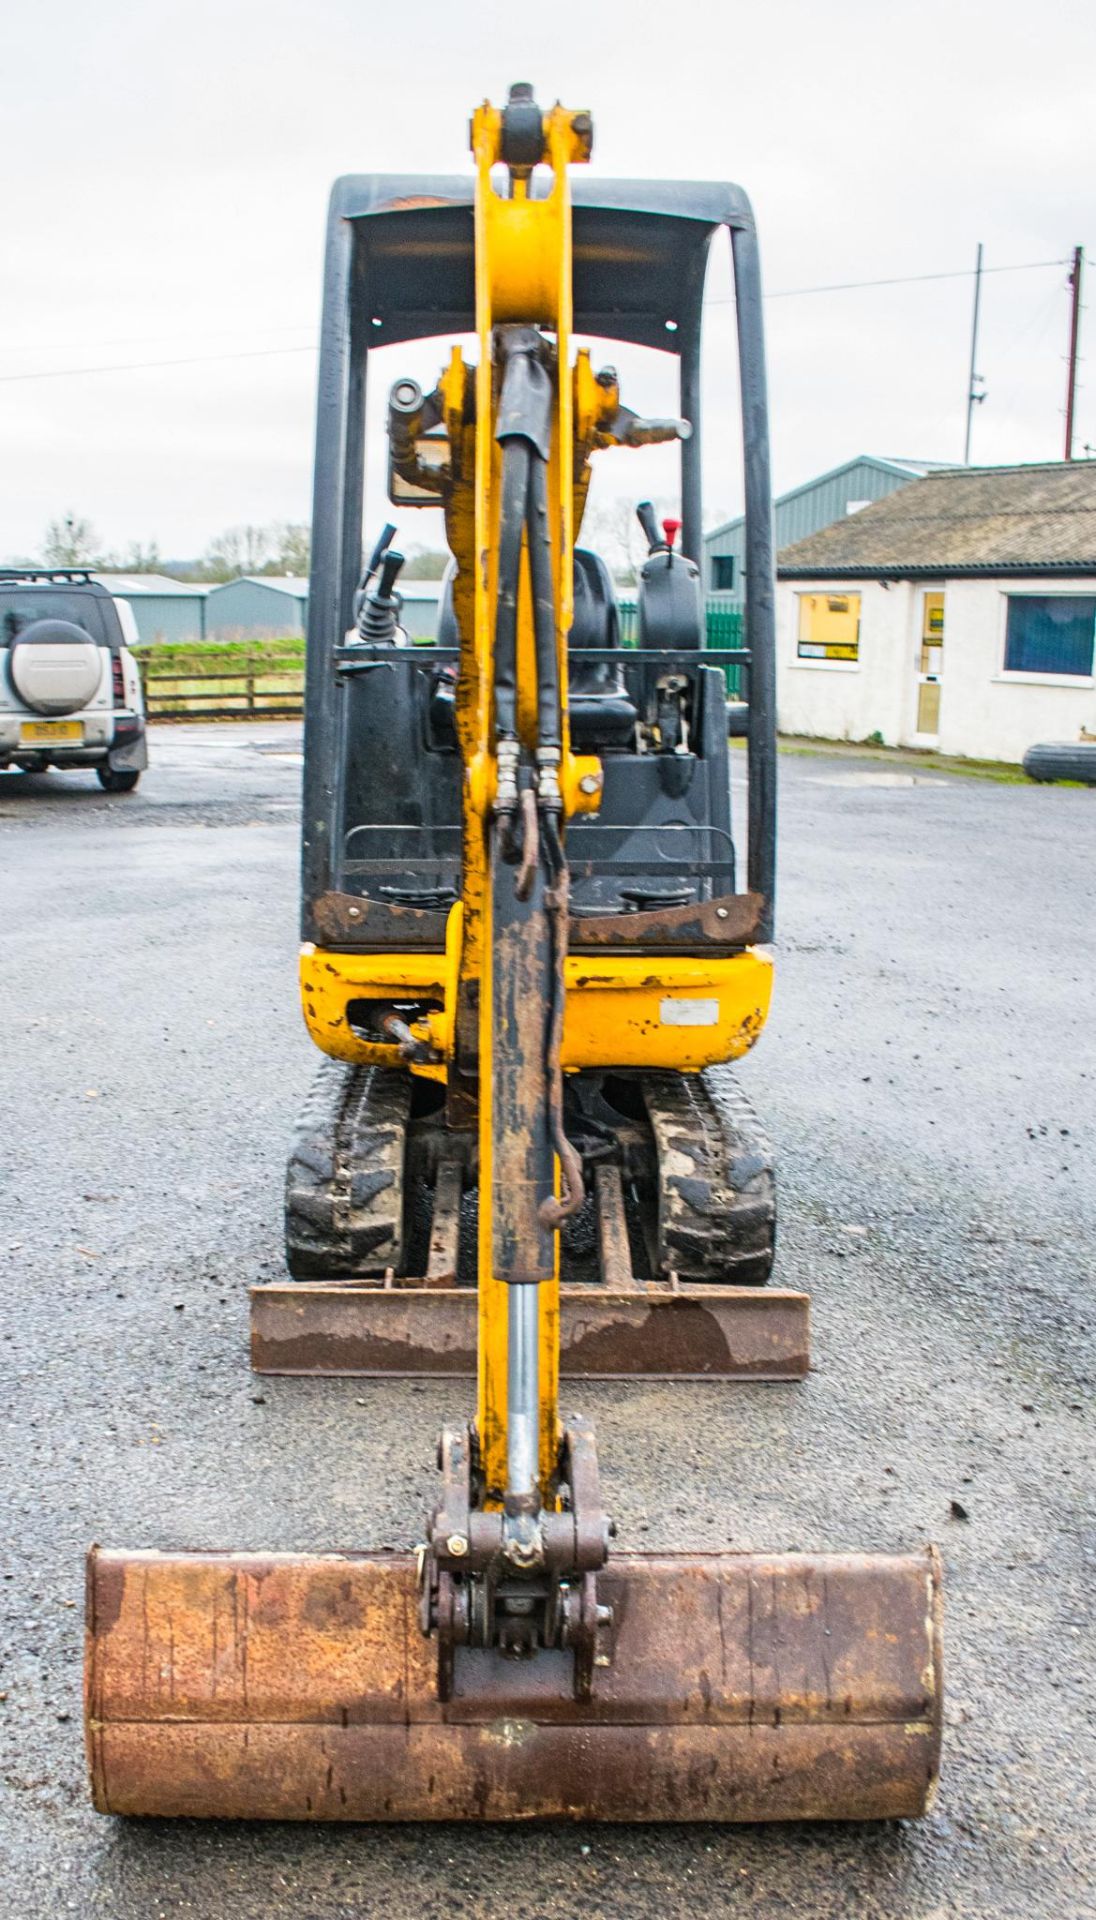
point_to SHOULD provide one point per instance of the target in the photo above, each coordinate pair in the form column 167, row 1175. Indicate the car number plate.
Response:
column 32, row 731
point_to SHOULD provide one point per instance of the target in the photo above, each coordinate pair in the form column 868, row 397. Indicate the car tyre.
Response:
column 1065, row 760
column 116, row 780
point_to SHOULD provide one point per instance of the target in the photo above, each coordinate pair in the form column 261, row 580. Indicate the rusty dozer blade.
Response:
column 740, row 1687
column 649, row 1330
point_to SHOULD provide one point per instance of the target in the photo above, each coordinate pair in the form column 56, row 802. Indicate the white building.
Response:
column 959, row 613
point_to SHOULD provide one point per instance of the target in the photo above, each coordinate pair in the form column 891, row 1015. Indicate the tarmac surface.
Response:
column 929, row 1078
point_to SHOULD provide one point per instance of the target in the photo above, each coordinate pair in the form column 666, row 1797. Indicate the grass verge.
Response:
column 1004, row 772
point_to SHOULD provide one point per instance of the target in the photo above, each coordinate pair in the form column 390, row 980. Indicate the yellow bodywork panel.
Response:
column 679, row 1013
column 629, row 1011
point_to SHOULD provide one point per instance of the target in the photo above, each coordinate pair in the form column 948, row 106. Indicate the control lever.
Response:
column 377, row 608
column 657, row 542
column 390, row 567
column 386, row 537
column 645, row 514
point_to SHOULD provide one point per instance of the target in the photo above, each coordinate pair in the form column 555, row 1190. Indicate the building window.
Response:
column 723, row 573
column 1050, row 633
column 829, row 626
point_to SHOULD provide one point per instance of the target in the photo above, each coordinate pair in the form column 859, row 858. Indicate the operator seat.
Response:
column 602, row 715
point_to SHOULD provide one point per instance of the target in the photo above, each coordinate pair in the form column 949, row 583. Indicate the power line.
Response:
column 910, row 279
column 136, row 366
column 898, row 280
column 145, row 339
column 267, row 353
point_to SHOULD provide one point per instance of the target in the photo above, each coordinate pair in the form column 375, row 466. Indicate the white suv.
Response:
column 70, row 691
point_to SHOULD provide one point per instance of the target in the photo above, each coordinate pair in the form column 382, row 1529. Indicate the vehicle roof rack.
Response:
column 84, row 574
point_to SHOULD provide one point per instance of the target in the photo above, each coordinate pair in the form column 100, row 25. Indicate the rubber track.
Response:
column 344, row 1180
column 717, row 1185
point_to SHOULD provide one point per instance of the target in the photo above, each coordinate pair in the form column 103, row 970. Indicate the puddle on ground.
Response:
column 877, row 780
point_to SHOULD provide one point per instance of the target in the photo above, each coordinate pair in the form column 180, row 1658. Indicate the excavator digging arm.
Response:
column 515, row 1547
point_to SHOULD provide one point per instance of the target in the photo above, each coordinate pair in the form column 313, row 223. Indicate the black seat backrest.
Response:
column 596, row 622
column 602, row 715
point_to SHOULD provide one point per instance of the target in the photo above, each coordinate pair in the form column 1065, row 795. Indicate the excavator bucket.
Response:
column 739, row 1686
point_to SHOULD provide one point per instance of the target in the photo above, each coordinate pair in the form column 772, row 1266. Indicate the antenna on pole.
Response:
column 1074, row 283
column 974, row 380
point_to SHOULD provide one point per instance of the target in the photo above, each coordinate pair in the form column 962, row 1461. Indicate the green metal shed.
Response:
column 166, row 611
column 258, row 607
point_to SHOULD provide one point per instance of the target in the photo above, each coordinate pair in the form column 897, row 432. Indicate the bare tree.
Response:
column 425, row 563
column 70, row 542
column 291, row 541
column 140, row 559
column 237, row 551
column 610, row 527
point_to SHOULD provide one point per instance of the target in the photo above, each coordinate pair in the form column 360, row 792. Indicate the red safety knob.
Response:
column 671, row 528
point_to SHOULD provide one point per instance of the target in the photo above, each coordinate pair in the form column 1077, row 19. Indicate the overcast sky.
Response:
column 166, row 168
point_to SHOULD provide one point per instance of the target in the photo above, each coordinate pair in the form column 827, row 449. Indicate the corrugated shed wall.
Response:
column 166, row 619
column 806, row 511
column 242, row 607
column 822, row 504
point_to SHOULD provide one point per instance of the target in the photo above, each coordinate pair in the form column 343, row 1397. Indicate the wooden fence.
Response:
column 243, row 689
column 247, row 687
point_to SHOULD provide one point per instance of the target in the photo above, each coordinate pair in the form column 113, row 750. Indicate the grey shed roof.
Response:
column 883, row 463
column 159, row 584
column 1034, row 519
column 294, row 583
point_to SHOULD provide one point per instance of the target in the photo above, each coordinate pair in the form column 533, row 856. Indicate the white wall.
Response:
column 985, row 713
column 840, row 700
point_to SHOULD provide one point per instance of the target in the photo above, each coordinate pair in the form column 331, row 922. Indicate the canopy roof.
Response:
column 639, row 252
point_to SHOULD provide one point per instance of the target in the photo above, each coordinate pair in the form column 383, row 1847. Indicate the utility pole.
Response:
column 974, row 380
column 1074, row 282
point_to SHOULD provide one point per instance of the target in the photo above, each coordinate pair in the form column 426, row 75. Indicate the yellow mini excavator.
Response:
column 524, row 941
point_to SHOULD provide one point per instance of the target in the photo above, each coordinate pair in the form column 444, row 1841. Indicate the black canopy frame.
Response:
column 400, row 266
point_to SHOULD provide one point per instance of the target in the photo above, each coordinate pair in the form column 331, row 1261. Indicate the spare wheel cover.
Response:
column 56, row 666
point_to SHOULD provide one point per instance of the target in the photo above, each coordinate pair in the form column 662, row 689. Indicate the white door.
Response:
column 930, row 669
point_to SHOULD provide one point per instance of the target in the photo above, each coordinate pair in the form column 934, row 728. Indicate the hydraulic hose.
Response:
column 544, row 612
column 524, row 509
column 524, row 433
column 516, row 458
column 554, row 1212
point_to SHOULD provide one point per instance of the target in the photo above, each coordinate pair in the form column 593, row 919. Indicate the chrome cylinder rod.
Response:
column 523, row 1391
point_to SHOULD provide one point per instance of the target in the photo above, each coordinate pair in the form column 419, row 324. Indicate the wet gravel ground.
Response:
column 929, row 1078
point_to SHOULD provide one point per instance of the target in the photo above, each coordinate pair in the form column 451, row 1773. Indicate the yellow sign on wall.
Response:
column 933, row 630
column 829, row 626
